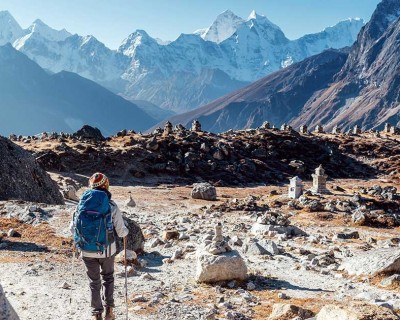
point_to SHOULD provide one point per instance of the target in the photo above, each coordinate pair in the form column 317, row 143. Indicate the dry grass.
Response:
column 41, row 234
column 269, row 298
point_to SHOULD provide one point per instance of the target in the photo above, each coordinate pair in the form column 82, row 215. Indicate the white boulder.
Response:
column 225, row 266
column 204, row 191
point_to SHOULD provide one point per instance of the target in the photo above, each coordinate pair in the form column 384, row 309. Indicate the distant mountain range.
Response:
column 32, row 101
column 360, row 85
column 182, row 74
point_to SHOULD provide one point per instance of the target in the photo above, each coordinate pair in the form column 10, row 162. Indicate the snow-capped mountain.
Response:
column 185, row 73
column 222, row 28
column 58, row 50
column 10, row 30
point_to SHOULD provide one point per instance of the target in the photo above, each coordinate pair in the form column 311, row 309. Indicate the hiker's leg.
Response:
column 107, row 271
column 93, row 272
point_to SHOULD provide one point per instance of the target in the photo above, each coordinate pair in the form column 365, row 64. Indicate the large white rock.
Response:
column 373, row 262
column 226, row 266
column 263, row 229
column 204, row 191
column 355, row 312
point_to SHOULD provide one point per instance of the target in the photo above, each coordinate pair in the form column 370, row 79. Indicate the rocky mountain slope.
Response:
column 183, row 156
column 21, row 177
column 333, row 88
column 367, row 90
column 32, row 101
column 185, row 73
column 278, row 98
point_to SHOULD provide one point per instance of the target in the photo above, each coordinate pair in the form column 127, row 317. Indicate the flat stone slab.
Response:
column 373, row 262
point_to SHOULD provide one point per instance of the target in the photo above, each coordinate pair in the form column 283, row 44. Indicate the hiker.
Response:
column 93, row 225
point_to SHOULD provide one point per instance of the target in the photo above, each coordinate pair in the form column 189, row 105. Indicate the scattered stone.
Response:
column 131, row 203
column 390, row 281
column 204, row 191
column 251, row 286
column 373, row 262
column 70, row 193
column 65, row 285
column 283, row 296
column 170, row 234
column 347, row 234
column 355, row 312
column 281, row 311
column 88, row 132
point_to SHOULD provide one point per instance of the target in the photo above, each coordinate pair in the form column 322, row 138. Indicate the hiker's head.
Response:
column 99, row 181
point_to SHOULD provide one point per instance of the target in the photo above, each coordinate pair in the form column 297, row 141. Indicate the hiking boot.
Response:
column 97, row 316
column 109, row 314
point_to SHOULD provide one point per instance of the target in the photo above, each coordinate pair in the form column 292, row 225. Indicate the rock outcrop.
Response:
column 373, row 262
column 355, row 312
column 21, row 178
column 204, row 191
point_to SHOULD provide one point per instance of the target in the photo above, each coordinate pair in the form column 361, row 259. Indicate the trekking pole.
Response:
column 72, row 271
column 126, row 279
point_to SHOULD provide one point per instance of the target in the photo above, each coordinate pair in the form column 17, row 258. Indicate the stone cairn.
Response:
column 304, row 129
column 217, row 245
column 179, row 128
column 295, row 188
column 319, row 181
column 196, row 126
column 356, row 130
column 319, row 129
column 336, row 130
column 167, row 128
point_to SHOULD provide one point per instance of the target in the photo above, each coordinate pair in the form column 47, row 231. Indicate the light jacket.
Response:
column 119, row 226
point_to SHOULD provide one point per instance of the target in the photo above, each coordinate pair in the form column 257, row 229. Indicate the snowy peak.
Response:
column 262, row 20
column 223, row 27
column 39, row 27
column 10, row 30
column 134, row 40
column 351, row 27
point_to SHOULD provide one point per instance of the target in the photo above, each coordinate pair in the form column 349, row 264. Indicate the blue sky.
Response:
column 113, row 20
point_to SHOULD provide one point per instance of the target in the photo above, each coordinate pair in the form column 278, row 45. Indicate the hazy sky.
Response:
column 113, row 20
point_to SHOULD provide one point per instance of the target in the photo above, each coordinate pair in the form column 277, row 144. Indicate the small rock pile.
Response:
column 216, row 261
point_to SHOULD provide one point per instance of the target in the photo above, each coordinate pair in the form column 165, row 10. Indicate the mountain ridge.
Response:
column 144, row 69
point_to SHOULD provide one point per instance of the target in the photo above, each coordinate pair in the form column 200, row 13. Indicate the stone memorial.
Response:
column 304, row 129
column 295, row 188
column 319, row 181
column 356, row 130
column 336, row 130
column 319, row 129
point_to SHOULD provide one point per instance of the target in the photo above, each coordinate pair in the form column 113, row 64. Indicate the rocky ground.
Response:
column 331, row 256
column 37, row 276
column 240, row 158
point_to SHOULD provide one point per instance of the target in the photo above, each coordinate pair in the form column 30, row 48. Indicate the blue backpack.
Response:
column 93, row 227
